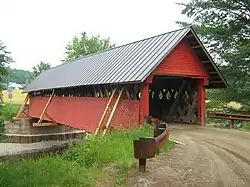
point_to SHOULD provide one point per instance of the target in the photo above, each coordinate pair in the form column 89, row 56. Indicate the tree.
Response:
column 4, row 60
column 85, row 45
column 18, row 76
column 224, row 26
column 39, row 68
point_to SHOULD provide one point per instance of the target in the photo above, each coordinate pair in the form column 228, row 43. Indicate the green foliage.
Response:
column 1, row 129
column 4, row 60
column 8, row 111
column 168, row 146
column 113, row 147
column 18, row 76
column 39, row 68
column 225, row 27
column 96, row 161
column 246, row 126
column 85, row 45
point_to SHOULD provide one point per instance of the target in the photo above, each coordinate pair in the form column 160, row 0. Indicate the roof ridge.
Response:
column 105, row 50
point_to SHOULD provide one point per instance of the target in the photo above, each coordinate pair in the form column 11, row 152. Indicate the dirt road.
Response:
column 210, row 157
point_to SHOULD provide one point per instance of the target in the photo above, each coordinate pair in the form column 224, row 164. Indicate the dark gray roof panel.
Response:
column 128, row 63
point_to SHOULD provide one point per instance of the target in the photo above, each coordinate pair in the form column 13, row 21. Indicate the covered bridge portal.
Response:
column 164, row 76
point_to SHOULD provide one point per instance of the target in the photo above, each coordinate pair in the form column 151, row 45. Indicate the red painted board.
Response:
column 182, row 61
column 84, row 112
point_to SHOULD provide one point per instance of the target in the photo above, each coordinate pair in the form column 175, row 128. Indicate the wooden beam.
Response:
column 21, row 109
column 218, row 82
column 213, row 72
column 105, row 112
column 45, row 108
column 44, row 124
column 190, row 35
column 205, row 62
column 196, row 46
column 113, row 111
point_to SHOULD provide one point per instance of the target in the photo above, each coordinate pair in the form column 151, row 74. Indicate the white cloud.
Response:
column 39, row 30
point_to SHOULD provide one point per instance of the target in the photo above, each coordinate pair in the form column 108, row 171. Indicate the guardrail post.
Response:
column 142, row 165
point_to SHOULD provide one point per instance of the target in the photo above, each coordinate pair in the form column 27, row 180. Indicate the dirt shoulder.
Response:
column 210, row 157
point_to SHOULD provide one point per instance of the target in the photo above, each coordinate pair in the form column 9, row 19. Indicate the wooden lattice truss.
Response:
column 175, row 102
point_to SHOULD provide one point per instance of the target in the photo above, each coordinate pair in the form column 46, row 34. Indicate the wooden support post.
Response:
column 113, row 111
column 45, row 108
column 105, row 112
column 201, row 102
column 21, row 110
column 142, row 165
column 232, row 123
column 144, row 102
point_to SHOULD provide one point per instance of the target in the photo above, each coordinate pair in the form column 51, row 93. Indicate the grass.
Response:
column 168, row 146
column 7, row 111
column 246, row 126
column 98, row 161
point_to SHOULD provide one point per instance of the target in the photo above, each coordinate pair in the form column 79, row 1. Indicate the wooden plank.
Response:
column 206, row 61
column 45, row 108
column 25, row 113
column 113, row 111
column 21, row 109
column 230, row 117
column 44, row 124
column 105, row 112
column 228, row 114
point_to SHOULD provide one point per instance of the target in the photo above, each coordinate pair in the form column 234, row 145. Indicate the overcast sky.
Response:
column 38, row 30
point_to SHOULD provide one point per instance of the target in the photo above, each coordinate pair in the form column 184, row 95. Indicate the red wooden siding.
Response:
column 181, row 61
column 84, row 112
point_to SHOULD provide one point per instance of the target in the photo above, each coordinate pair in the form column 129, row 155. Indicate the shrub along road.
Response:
column 210, row 157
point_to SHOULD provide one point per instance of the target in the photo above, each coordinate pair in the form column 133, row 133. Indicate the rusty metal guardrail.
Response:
column 148, row 147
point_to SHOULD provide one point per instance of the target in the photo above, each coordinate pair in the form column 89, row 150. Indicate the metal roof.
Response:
column 128, row 63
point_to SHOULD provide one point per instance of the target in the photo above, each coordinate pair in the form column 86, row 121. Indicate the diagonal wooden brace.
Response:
column 100, row 125
column 45, row 108
column 21, row 109
column 113, row 111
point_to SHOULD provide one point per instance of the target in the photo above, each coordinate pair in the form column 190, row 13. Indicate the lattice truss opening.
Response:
column 174, row 99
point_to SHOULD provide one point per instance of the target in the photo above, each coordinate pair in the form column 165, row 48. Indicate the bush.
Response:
column 7, row 111
column 111, row 148
column 1, row 129
column 246, row 126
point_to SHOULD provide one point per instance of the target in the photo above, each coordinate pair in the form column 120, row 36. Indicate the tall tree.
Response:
column 39, row 68
column 225, row 27
column 85, row 45
column 4, row 60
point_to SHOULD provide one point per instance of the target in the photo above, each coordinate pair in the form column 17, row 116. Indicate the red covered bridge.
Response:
column 164, row 76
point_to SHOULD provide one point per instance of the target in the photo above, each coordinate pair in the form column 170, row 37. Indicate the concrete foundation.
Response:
column 22, row 131
column 24, row 126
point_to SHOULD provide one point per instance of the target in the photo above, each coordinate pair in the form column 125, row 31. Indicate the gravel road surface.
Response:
column 210, row 157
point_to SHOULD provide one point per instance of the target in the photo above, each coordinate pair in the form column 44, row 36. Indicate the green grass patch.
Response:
column 98, row 161
column 246, row 126
column 168, row 146
column 7, row 111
